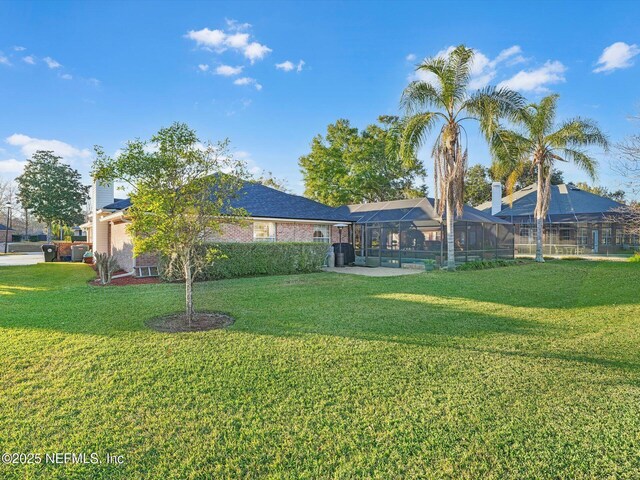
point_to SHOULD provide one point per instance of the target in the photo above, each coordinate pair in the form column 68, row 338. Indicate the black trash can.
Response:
column 50, row 250
column 339, row 259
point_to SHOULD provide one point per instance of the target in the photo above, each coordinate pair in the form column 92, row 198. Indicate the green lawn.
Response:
column 517, row 372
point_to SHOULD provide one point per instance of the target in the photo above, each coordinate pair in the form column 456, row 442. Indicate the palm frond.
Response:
column 414, row 135
column 582, row 160
column 419, row 95
column 578, row 132
column 491, row 104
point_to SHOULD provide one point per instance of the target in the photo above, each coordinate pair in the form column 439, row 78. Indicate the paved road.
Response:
column 23, row 259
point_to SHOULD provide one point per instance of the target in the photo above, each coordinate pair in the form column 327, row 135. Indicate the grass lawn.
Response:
column 518, row 372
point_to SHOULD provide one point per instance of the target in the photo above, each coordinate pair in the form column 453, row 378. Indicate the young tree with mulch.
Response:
column 181, row 195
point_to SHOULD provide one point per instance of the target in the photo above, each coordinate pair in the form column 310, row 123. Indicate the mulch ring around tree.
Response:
column 201, row 321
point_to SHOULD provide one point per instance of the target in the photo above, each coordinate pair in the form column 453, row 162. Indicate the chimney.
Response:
column 101, row 196
column 496, row 198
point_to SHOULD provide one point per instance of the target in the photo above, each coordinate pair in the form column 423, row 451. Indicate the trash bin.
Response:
column 78, row 251
column 339, row 259
column 49, row 250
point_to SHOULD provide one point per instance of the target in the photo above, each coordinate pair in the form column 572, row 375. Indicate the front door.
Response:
column 594, row 234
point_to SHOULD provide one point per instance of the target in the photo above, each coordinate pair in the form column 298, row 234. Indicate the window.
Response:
column 321, row 233
column 264, row 232
column 606, row 236
column 583, row 237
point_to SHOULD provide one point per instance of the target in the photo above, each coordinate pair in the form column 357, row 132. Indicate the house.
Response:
column 6, row 233
column 403, row 232
column 578, row 222
column 273, row 216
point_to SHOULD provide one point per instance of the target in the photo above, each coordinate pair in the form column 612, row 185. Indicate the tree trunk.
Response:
column 451, row 254
column 49, row 227
column 26, row 224
column 188, row 283
column 539, row 215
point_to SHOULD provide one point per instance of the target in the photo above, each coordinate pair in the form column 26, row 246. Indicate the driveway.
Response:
column 30, row 258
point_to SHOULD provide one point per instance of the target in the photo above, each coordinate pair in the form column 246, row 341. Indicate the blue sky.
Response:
column 271, row 75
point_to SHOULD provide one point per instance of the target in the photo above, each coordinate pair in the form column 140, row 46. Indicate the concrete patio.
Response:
column 374, row 272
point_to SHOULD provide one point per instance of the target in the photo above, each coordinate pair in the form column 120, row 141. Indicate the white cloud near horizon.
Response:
column 228, row 70
column 616, row 56
column 536, row 80
column 248, row 81
column 11, row 166
column 29, row 145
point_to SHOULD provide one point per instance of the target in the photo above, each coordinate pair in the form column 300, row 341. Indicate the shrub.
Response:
column 255, row 259
column 484, row 264
column 635, row 258
column 106, row 265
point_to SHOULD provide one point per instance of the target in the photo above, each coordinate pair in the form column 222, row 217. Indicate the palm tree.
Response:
column 537, row 144
column 444, row 100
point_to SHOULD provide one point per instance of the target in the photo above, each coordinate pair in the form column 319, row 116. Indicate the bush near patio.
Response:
column 256, row 259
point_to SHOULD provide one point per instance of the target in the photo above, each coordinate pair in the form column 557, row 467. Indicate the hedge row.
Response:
column 254, row 259
column 484, row 264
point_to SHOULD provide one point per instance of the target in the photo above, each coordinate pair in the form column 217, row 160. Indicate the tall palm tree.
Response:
column 537, row 144
column 443, row 100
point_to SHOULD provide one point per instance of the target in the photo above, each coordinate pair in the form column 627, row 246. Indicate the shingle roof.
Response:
column 568, row 203
column 261, row 201
column 4, row 227
column 415, row 209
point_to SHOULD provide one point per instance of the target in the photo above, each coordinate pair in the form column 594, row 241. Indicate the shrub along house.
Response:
column 273, row 216
column 578, row 222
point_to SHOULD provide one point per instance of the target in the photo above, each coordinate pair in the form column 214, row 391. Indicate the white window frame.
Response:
column 325, row 229
column 258, row 235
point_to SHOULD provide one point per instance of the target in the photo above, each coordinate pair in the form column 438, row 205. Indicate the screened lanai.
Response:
column 390, row 234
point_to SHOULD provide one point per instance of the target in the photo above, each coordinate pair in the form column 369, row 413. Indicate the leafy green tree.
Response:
column 617, row 195
column 538, row 143
column 477, row 185
column 52, row 191
column 182, row 194
column 348, row 166
column 443, row 101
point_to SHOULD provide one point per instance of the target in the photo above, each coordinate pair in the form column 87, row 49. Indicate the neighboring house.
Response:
column 4, row 234
column 578, row 222
column 273, row 216
column 400, row 232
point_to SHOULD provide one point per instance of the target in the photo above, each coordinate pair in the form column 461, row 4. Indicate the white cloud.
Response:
column 51, row 63
column 11, row 166
column 66, row 76
column 4, row 60
column 207, row 38
column 203, row 67
column 30, row 59
column 482, row 69
column 94, row 81
column 536, row 80
column 219, row 40
column 29, row 145
column 236, row 26
column 615, row 56
column 287, row 66
column 411, row 57
column 18, row 48
column 248, row 81
column 237, row 40
column 228, row 70
column 256, row 51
